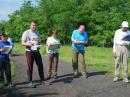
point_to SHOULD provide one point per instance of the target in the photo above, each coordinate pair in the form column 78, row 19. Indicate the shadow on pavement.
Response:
column 67, row 78
column 96, row 73
column 15, row 92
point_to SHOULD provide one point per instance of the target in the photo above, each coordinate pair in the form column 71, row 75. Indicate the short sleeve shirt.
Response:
column 29, row 36
column 79, row 37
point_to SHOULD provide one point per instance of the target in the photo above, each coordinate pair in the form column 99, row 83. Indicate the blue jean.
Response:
column 5, row 67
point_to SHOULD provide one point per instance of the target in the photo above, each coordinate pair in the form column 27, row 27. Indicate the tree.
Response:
column 102, row 18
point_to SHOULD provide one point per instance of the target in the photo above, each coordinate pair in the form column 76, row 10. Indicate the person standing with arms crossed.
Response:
column 79, row 40
column 121, row 52
column 30, row 39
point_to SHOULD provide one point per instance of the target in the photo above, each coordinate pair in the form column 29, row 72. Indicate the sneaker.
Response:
column 31, row 85
column 43, row 82
column 76, row 73
column 11, row 85
column 126, row 80
column 84, row 75
column 115, row 79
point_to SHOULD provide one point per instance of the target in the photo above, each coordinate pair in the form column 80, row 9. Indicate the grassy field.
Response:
column 97, row 58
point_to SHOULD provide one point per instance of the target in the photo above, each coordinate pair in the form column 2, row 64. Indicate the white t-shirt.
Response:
column 30, row 36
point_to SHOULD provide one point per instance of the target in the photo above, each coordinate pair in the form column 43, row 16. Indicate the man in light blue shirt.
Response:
column 79, row 40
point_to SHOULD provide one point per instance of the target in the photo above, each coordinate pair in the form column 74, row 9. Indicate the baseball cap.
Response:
column 125, row 24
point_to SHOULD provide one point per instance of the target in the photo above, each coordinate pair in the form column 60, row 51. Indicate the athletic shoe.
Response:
column 11, row 85
column 115, row 79
column 76, row 73
column 126, row 80
column 45, row 82
column 84, row 75
column 31, row 85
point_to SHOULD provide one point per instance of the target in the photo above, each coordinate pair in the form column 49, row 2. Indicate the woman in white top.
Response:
column 52, row 46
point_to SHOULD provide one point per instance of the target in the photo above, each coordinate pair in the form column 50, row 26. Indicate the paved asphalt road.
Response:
column 97, row 85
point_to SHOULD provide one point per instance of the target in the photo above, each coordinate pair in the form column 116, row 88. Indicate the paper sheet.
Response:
column 126, row 38
column 54, row 46
column 7, row 49
column 35, row 47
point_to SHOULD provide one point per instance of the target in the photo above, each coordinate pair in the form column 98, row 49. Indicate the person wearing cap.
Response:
column 5, row 61
column 53, row 55
column 121, row 52
column 31, row 40
column 79, row 40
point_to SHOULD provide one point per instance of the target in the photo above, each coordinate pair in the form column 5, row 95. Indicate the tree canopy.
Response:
column 102, row 18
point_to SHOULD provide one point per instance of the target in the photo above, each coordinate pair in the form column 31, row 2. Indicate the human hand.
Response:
column 29, row 44
column 114, row 54
column 2, row 49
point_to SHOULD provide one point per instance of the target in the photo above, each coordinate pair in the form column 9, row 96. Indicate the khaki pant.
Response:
column 78, row 55
column 122, row 54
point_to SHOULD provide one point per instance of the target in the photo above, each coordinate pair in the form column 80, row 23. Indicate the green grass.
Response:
column 18, row 48
column 97, row 58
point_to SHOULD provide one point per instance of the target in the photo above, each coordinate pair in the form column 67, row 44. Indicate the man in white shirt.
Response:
column 30, row 38
column 121, row 52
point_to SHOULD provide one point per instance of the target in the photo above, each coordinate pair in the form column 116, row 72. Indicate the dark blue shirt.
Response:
column 2, row 55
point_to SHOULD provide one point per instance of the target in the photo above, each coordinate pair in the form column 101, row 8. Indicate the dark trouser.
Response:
column 5, row 67
column 1, row 71
column 53, row 60
column 31, row 57
column 78, row 55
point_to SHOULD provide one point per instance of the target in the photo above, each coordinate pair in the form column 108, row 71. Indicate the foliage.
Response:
column 102, row 18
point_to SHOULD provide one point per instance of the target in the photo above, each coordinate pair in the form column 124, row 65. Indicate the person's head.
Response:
column 4, row 37
column 33, row 25
column 125, row 26
column 54, row 33
column 81, row 27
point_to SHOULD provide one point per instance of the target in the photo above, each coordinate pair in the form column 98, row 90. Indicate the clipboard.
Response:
column 126, row 38
column 7, row 49
column 35, row 47
column 54, row 46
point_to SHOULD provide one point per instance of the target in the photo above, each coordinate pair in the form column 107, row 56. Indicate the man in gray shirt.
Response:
column 31, row 40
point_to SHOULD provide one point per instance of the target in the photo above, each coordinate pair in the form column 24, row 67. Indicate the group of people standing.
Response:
column 79, row 38
column 31, row 38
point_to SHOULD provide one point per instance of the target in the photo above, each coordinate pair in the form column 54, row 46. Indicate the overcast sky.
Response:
column 9, row 6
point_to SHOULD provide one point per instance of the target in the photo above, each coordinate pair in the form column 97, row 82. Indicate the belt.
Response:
column 121, row 44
